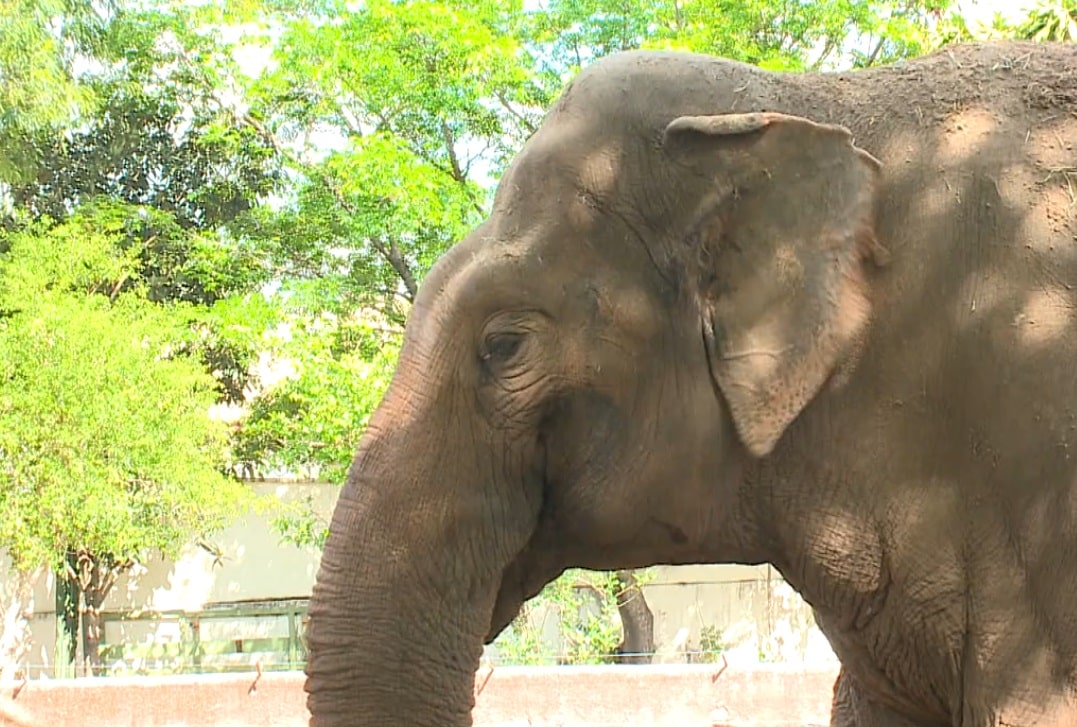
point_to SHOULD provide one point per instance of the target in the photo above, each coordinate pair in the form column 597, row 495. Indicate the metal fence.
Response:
column 748, row 619
column 224, row 637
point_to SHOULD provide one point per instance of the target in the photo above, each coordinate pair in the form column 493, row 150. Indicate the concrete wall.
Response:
column 758, row 616
column 685, row 696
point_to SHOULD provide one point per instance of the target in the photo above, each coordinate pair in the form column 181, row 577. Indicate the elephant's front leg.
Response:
column 851, row 708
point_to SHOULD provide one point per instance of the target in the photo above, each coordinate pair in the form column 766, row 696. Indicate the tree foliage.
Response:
column 583, row 617
column 106, row 443
column 107, row 449
column 337, row 370
column 1051, row 20
column 120, row 234
column 38, row 89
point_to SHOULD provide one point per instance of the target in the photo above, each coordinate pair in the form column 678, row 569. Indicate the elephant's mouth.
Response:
column 524, row 579
column 539, row 562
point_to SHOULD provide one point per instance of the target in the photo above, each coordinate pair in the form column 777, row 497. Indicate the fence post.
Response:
column 196, row 642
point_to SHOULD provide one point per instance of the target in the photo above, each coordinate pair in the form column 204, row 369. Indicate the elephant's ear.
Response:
column 781, row 238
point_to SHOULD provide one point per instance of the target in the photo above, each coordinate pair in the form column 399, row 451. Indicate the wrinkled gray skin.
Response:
column 694, row 333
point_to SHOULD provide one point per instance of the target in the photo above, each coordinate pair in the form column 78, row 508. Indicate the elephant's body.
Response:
column 890, row 419
column 928, row 508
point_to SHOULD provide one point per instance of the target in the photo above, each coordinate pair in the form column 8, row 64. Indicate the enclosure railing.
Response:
column 222, row 637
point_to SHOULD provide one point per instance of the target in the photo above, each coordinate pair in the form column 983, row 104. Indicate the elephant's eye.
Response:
column 501, row 347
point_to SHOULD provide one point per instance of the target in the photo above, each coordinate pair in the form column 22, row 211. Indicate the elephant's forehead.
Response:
column 571, row 154
column 490, row 271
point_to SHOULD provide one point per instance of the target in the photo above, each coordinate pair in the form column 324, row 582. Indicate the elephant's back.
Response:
column 971, row 354
column 1011, row 78
column 978, row 144
column 978, row 204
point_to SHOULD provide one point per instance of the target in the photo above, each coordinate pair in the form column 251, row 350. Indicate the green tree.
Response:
column 335, row 368
column 600, row 618
column 107, row 448
column 391, row 140
column 1050, row 20
column 144, row 149
column 39, row 92
column 160, row 160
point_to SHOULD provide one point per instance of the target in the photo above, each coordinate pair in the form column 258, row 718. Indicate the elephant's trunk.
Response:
column 389, row 642
column 409, row 576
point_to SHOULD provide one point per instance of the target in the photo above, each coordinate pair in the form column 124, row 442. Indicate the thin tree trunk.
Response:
column 67, row 618
column 96, row 576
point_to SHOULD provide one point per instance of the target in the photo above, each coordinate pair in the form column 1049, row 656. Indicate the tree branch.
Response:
column 828, row 48
column 524, row 121
column 389, row 251
column 450, row 147
column 875, row 52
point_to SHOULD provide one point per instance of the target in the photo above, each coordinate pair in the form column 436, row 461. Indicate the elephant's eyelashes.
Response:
column 502, row 347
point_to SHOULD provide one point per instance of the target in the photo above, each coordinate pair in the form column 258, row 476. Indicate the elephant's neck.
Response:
column 821, row 533
column 737, row 531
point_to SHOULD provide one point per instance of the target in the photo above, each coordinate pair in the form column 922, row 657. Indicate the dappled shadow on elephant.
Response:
column 722, row 315
column 983, row 495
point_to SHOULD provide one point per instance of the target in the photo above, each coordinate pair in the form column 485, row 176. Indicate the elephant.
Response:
column 721, row 314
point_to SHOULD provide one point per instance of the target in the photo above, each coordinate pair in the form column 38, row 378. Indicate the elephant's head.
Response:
column 589, row 378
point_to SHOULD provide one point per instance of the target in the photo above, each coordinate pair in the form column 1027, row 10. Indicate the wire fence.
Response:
column 695, row 621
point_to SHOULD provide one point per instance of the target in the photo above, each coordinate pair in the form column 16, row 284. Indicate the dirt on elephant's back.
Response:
column 987, row 130
column 1013, row 78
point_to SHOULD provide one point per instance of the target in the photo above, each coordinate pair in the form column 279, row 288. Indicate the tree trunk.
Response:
column 67, row 619
column 96, row 576
column 637, row 620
